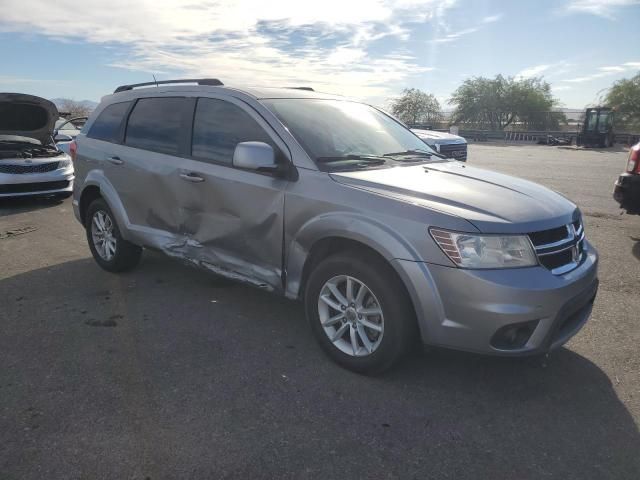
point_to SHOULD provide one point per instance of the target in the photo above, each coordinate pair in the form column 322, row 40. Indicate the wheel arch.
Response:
column 89, row 194
column 332, row 232
column 95, row 186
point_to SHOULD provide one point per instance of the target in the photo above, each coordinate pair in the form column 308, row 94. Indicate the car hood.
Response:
column 27, row 116
column 492, row 202
column 433, row 135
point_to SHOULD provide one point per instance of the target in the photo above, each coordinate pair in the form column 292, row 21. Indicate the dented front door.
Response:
column 232, row 222
column 231, row 219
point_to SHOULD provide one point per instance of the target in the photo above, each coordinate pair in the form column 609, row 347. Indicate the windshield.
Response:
column 335, row 130
column 71, row 124
column 603, row 122
column 592, row 120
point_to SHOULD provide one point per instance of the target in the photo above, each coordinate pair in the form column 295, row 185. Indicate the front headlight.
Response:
column 66, row 163
column 468, row 250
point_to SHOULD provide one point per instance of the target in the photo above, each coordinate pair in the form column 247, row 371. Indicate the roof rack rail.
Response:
column 308, row 89
column 199, row 81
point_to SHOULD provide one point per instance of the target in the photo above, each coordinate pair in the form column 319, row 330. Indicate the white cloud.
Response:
column 605, row 72
column 451, row 37
column 230, row 39
column 548, row 70
column 533, row 71
column 613, row 69
column 601, row 8
column 492, row 18
column 448, row 36
column 586, row 78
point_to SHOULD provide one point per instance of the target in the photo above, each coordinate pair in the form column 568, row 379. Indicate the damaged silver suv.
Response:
column 333, row 202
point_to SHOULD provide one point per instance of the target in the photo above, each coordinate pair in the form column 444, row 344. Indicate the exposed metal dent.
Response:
column 194, row 253
column 186, row 242
column 236, row 276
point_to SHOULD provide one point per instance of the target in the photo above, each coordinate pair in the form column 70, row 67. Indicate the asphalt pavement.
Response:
column 167, row 372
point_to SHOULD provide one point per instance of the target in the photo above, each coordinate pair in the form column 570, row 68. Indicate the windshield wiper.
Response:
column 367, row 159
column 408, row 153
column 413, row 153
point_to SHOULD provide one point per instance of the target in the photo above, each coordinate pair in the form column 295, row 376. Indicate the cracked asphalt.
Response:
column 166, row 372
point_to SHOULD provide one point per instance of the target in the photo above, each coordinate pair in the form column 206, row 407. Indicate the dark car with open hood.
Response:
column 30, row 162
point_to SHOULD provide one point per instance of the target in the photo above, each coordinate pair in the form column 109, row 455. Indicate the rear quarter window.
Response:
column 107, row 126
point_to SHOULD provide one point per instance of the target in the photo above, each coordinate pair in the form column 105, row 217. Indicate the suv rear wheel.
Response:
column 359, row 312
column 112, row 252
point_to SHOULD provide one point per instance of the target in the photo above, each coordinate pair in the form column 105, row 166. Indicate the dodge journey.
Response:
column 333, row 202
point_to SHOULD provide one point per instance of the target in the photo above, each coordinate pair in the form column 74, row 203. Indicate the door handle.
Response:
column 191, row 177
column 115, row 160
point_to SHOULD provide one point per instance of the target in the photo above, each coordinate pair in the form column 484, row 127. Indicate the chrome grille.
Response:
column 29, row 168
column 560, row 249
column 454, row 150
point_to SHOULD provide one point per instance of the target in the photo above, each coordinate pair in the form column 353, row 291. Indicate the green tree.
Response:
column 499, row 102
column 624, row 96
column 415, row 106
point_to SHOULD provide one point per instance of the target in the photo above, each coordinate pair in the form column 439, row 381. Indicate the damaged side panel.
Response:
column 231, row 224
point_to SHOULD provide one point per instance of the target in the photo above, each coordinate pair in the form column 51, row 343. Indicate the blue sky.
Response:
column 368, row 49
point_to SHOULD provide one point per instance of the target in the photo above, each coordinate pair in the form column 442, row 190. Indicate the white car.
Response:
column 30, row 161
column 66, row 130
column 447, row 144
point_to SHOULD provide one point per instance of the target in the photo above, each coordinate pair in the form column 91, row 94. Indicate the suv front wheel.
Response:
column 359, row 312
column 112, row 252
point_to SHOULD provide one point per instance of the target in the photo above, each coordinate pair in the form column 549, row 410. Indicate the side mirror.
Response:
column 255, row 156
column 61, row 137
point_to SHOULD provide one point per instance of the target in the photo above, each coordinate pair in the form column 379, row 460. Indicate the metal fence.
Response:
column 475, row 135
column 567, row 128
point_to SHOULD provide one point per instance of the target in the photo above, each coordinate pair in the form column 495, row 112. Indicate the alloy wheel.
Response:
column 102, row 233
column 351, row 315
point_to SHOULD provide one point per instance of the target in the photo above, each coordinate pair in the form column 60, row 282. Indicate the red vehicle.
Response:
column 627, row 188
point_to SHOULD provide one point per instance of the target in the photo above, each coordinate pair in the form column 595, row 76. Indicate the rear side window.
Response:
column 219, row 126
column 156, row 124
column 107, row 125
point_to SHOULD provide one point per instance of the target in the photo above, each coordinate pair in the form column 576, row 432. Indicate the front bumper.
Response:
column 626, row 191
column 50, row 183
column 467, row 309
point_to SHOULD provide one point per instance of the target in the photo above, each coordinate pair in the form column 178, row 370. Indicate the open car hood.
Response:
column 27, row 116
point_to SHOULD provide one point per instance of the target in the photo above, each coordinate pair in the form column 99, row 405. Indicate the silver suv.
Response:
column 333, row 202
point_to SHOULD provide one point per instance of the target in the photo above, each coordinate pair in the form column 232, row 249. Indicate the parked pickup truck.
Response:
column 447, row 144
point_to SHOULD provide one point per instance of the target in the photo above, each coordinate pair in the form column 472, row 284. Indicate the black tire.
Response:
column 126, row 255
column 399, row 317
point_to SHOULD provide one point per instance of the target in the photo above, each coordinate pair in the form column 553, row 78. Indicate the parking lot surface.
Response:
column 166, row 372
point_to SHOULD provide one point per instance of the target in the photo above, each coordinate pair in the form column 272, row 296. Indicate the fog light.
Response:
column 514, row 336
